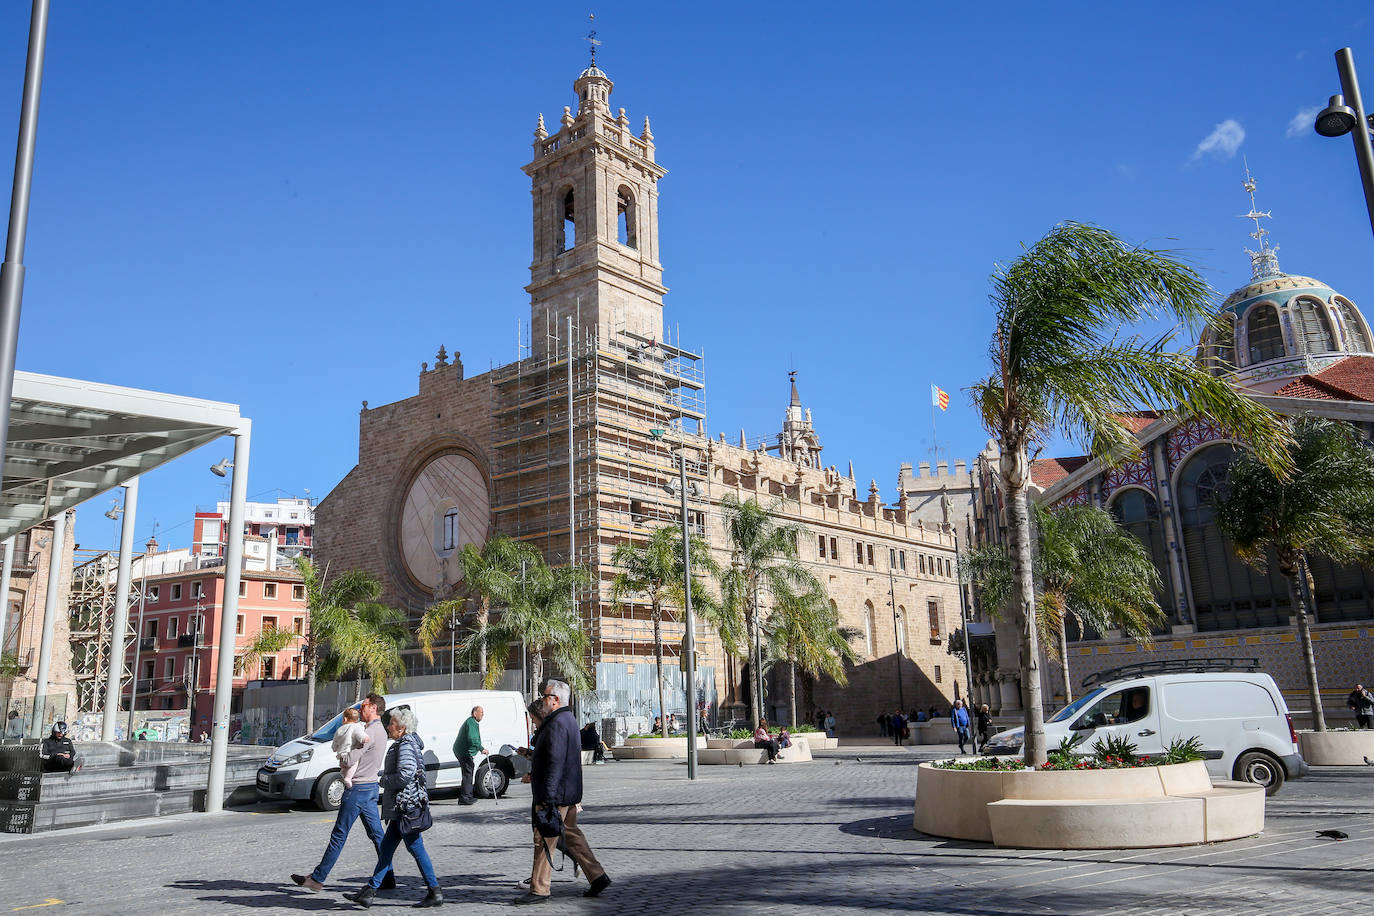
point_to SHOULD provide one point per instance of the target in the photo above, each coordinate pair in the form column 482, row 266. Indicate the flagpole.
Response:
column 934, row 429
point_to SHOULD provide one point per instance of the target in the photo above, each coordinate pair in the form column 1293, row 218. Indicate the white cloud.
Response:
column 1223, row 141
column 1302, row 122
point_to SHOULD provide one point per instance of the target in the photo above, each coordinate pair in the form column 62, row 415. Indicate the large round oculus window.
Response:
column 445, row 507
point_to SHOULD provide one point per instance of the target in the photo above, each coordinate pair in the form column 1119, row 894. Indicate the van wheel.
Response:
column 1261, row 769
column 489, row 781
column 328, row 792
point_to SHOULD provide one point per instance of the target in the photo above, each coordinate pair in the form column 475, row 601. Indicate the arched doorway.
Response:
column 1137, row 511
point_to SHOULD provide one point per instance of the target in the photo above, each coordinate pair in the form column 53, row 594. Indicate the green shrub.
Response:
column 803, row 729
column 1114, row 751
column 1182, row 750
column 982, row 763
column 742, row 733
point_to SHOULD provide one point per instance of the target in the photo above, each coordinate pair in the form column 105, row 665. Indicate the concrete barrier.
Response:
column 744, row 752
column 654, row 748
column 1138, row 807
column 1337, row 749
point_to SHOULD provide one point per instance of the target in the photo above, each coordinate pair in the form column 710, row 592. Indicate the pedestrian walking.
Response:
column 556, row 784
column 405, row 808
column 1362, row 702
column 830, row 724
column 897, row 727
column 958, row 717
column 360, row 801
column 883, row 721
column 466, row 747
column 984, row 725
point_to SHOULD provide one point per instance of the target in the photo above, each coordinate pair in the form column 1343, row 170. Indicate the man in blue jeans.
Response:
column 359, row 801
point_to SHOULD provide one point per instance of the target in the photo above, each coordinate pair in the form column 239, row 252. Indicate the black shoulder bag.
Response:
column 412, row 806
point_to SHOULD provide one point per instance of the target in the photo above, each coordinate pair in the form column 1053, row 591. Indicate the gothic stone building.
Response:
column 571, row 448
column 1299, row 347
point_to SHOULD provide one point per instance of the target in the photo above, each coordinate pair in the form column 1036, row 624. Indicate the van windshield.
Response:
column 1068, row 712
column 327, row 730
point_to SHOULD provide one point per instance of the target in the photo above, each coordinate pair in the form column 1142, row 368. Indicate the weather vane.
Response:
column 1265, row 262
column 591, row 38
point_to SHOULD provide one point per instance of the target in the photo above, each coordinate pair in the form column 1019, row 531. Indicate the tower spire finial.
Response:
column 591, row 38
column 1264, row 263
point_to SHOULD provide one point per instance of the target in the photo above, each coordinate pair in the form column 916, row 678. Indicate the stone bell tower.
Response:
column 595, row 191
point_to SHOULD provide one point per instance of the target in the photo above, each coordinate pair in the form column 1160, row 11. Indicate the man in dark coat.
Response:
column 556, row 782
column 57, row 751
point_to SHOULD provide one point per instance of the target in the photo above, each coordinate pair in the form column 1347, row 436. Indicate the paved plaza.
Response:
column 832, row 836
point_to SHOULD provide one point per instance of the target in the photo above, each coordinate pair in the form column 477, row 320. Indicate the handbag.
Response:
column 412, row 807
column 548, row 823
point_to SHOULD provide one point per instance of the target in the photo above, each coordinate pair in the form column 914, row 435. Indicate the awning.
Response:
column 976, row 629
column 71, row 440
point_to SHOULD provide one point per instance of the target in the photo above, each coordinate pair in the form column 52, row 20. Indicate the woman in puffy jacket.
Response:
column 403, row 786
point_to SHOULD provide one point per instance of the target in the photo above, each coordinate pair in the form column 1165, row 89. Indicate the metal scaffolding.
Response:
column 91, row 614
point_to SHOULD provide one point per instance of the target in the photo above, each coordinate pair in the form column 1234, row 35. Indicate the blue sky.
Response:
column 290, row 206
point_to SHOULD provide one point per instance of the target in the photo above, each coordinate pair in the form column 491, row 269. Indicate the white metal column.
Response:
column 114, row 660
column 40, row 686
column 229, row 609
column 5, row 571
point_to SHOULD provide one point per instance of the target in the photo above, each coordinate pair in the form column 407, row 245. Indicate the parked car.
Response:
column 306, row 768
column 1240, row 718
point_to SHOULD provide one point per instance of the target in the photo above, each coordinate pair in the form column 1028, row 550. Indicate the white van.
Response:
column 307, row 768
column 1240, row 718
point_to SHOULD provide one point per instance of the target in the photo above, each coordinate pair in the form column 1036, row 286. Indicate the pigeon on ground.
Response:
column 741, row 764
column 1368, row 762
column 1334, row 834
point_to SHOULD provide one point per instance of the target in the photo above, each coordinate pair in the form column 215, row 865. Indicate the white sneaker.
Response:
column 523, row 884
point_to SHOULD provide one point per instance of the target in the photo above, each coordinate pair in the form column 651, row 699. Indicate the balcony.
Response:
column 144, row 685
column 25, row 566
column 147, row 644
column 186, row 641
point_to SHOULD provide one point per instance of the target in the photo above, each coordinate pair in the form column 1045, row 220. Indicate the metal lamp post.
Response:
column 1346, row 115
column 689, row 638
column 896, row 632
column 968, row 642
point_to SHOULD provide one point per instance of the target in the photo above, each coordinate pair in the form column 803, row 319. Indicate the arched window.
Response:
column 625, row 218
column 1356, row 340
column 868, row 628
column 1138, row 512
column 1226, row 592
column 1266, row 337
column 567, row 225
column 1218, row 348
column 1313, row 330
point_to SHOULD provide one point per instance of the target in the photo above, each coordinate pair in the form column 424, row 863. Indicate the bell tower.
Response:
column 595, row 191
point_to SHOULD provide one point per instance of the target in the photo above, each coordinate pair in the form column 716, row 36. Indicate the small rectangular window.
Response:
column 923, row 564
column 238, row 625
column 933, row 610
column 243, row 589
column 197, row 589
column 858, row 553
column 269, row 589
column 171, row 628
column 834, row 549
column 937, row 674
column 269, row 667
column 451, row 529
column 176, row 591
column 238, row 666
column 298, row 626
column 901, row 559
column 153, row 592
column 298, row 593
column 820, row 546
column 269, row 623
column 148, row 669
column 152, row 630
column 170, row 669
column 870, row 555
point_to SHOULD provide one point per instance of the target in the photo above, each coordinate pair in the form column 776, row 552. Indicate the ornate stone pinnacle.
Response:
column 441, row 359
column 540, row 132
column 647, row 134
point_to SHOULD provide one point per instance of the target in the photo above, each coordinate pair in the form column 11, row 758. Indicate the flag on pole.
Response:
column 939, row 397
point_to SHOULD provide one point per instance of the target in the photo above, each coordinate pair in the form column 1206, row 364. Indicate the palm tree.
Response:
column 543, row 617
column 372, row 646
column 804, row 632
column 654, row 569
column 1089, row 568
column 1061, row 365
column 329, row 606
column 490, row 575
column 1326, row 508
column 763, row 556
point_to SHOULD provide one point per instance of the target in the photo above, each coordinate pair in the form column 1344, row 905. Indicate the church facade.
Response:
column 572, row 447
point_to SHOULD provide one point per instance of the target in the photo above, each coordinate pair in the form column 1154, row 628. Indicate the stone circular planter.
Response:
column 1176, row 805
column 1337, row 749
column 653, row 748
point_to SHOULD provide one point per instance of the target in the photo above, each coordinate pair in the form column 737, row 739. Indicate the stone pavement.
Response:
column 833, row 836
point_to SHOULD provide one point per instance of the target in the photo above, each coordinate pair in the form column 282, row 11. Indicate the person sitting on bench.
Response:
column 763, row 739
column 57, row 751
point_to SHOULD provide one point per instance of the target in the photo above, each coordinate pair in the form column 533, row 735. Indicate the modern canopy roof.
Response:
column 71, row 440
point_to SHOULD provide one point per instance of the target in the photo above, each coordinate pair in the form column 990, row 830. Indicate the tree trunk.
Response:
column 658, row 669
column 536, row 671
column 483, row 615
column 1064, row 662
column 1015, row 473
column 755, row 672
column 358, row 686
column 310, row 658
column 1296, row 596
column 792, row 691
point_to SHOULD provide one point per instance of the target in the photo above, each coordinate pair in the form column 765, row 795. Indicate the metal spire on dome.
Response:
column 591, row 39
column 1264, row 264
column 796, row 398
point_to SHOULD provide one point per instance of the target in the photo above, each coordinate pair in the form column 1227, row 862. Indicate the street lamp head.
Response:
column 114, row 512
column 1336, row 119
column 222, row 468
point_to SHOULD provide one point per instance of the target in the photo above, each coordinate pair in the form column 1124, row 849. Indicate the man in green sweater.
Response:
column 467, row 746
